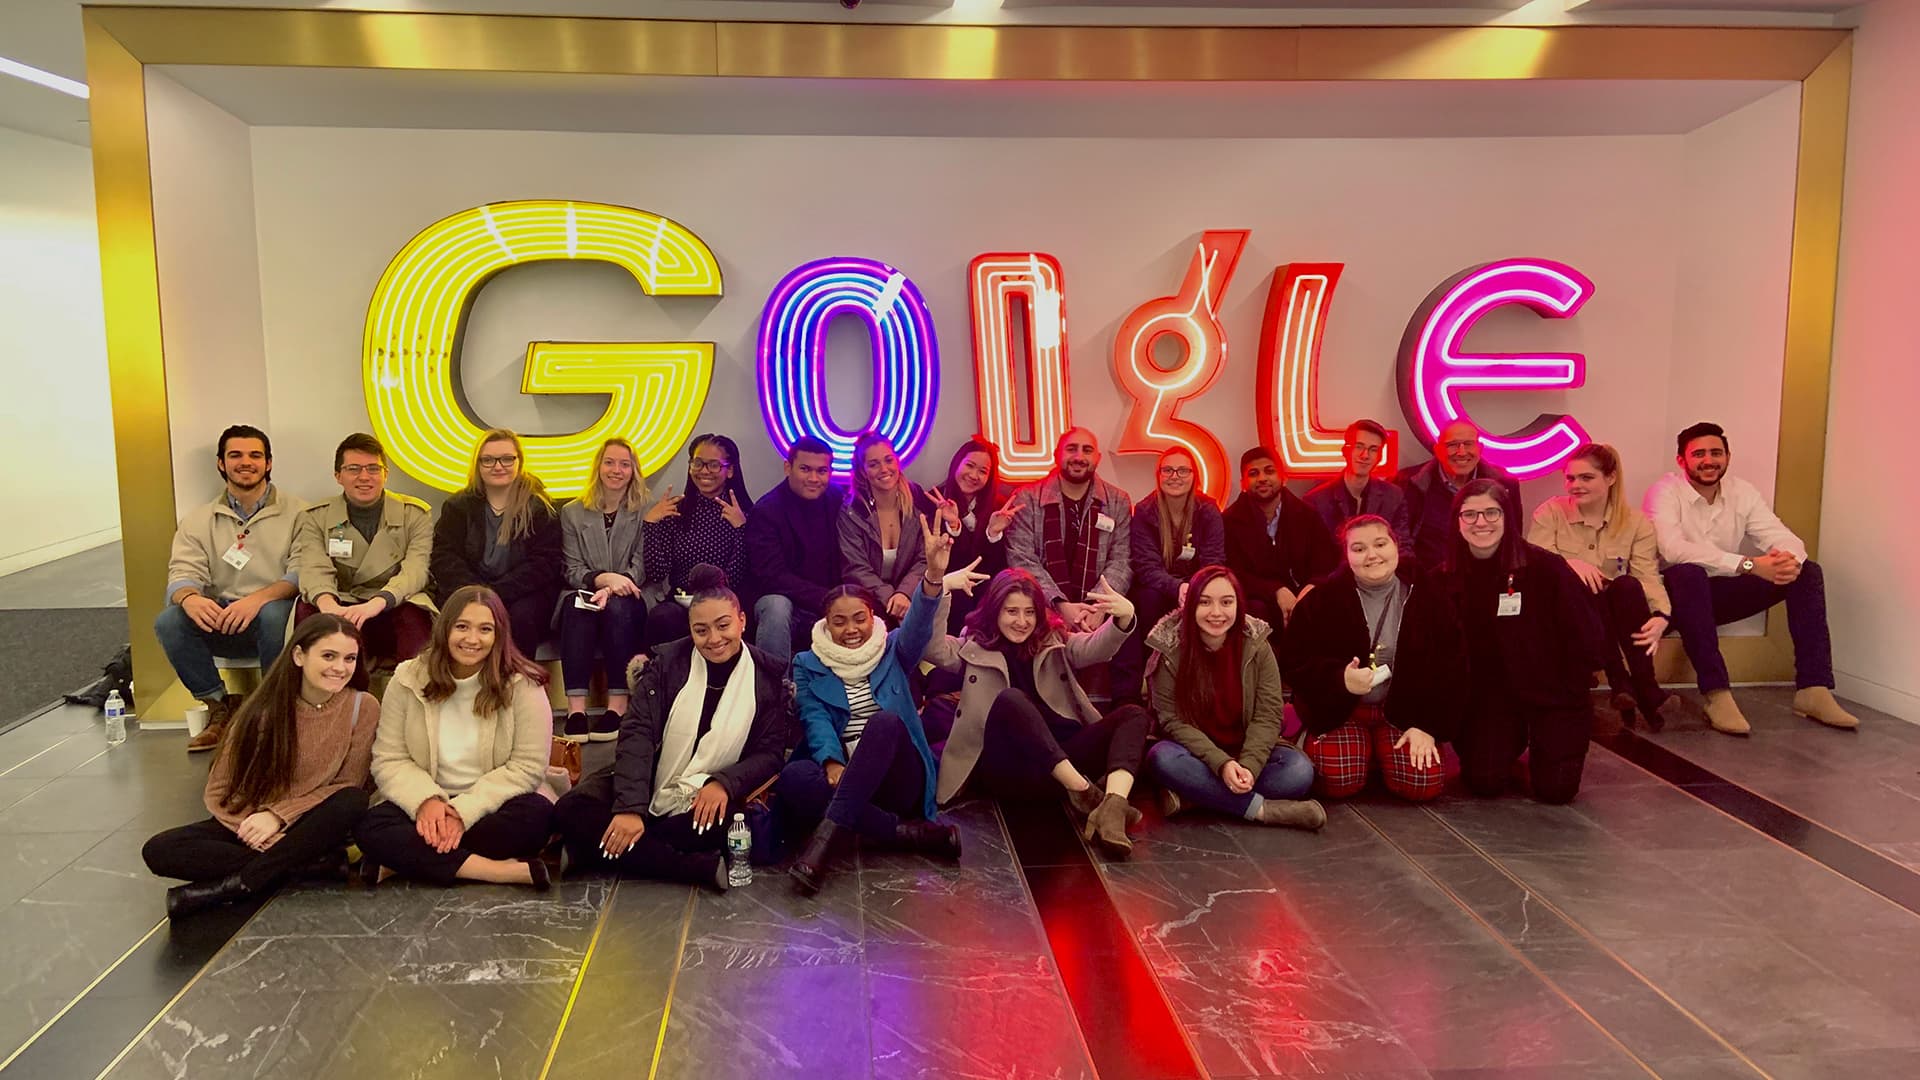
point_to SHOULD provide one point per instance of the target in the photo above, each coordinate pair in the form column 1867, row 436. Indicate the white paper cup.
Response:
column 196, row 720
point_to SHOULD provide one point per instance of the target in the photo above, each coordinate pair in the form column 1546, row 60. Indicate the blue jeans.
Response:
column 777, row 620
column 613, row 634
column 1288, row 774
column 1702, row 604
column 191, row 650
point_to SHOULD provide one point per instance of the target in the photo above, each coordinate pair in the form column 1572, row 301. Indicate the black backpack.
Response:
column 117, row 675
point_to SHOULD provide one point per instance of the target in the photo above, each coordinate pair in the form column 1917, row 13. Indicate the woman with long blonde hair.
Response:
column 604, row 615
column 502, row 532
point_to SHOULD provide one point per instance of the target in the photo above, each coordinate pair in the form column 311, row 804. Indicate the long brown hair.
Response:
column 1175, row 533
column 496, row 671
column 528, row 493
column 983, row 622
column 1195, row 695
column 636, row 496
column 265, row 740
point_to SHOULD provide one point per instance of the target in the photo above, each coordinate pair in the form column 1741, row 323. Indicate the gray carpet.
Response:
column 46, row 652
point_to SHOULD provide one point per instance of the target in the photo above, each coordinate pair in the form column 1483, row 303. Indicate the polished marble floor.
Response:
column 1638, row 932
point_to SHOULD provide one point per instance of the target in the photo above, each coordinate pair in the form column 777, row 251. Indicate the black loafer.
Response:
column 604, row 727
column 576, row 728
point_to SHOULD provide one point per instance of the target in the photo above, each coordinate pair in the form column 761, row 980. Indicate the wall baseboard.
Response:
column 1873, row 695
column 59, row 549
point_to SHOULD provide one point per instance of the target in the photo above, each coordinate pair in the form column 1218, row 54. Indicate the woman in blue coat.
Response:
column 863, row 764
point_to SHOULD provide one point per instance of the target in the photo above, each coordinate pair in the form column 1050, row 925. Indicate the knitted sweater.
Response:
column 333, row 752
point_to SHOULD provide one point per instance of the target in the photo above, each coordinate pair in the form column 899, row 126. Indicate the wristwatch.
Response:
column 1746, row 566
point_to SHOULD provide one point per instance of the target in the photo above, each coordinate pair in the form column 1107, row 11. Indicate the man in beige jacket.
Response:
column 230, row 580
column 363, row 554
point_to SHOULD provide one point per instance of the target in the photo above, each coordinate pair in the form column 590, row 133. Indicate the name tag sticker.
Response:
column 1187, row 552
column 1103, row 523
column 1509, row 604
column 237, row 557
column 339, row 547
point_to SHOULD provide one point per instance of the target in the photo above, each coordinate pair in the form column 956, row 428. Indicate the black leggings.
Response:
column 885, row 781
column 517, row 830
column 1623, row 610
column 1020, row 747
column 1555, row 742
column 209, row 851
column 668, row 849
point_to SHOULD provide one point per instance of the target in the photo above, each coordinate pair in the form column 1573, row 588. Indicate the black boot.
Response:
column 809, row 871
column 928, row 838
column 194, row 896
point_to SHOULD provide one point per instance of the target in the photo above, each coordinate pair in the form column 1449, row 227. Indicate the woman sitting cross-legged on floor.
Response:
column 465, row 735
column 1024, row 727
column 1377, row 665
column 1216, row 690
column 290, row 781
column 863, row 760
column 706, row 726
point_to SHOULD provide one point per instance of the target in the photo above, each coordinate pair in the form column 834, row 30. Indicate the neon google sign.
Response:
column 656, row 390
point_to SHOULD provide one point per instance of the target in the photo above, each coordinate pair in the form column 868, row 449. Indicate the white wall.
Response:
column 1869, row 514
column 335, row 205
column 57, row 440
column 209, row 281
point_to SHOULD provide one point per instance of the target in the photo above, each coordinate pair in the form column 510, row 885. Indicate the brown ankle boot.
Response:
column 1293, row 813
column 218, row 713
column 1725, row 715
column 1082, row 803
column 1817, row 703
column 1107, row 826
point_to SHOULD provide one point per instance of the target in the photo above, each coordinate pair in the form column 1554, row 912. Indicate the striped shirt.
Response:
column 860, row 706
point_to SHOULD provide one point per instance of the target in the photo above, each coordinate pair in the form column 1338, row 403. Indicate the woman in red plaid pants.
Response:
column 1377, row 666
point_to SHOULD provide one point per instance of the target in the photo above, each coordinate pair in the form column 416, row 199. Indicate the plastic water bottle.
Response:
column 116, row 719
column 739, row 847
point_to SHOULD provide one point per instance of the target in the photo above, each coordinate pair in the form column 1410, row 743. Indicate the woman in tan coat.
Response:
column 1216, row 690
column 465, row 734
column 1024, row 727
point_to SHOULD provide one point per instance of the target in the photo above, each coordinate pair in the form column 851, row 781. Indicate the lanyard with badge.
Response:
column 1382, row 672
column 1509, row 601
column 237, row 555
column 340, row 545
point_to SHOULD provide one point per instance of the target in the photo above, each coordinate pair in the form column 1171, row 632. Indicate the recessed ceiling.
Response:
column 333, row 97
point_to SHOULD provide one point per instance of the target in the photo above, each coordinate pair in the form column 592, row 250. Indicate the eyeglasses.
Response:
column 1460, row 444
column 1175, row 472
column 504, row 461
column 1364, row 449
column 375, row 469
column 1489, row 515
column 706, row 465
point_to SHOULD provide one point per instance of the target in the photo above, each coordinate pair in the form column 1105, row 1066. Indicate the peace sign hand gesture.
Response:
column 668, row 506
column 1001, row 520
column 730, row 509
column 1108, row 602
column 946, row 509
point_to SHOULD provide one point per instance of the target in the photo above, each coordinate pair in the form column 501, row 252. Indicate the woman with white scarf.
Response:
column 705, row 727
column 863, row 764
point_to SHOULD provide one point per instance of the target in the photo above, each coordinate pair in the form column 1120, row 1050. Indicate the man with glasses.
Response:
column 230, row 579
column 1430, row 489
column 1276, row 543
column 363, row 555
column 1355, row 491
column 1727, row 558
column 793, row 549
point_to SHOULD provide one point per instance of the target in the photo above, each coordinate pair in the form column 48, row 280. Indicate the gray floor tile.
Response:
column 940, row 910
column 1512, row 908
column 1853, row 1065
column 393, row 909
column 642, row 931
column 981, row 1016
column 1787, row 892
column 259, row 964
column 1218, row 905
column 54, row 759
column 614, row 1024
column 1346, row 835
column 1413, row 829
column 1647, row 1023
column 13, row 789
column 92, row 578
column 1665, row 818
column 1906, row 854
column 770, row 1021
column 28, row 859
column 1508, row 826
column 767, row 924
column 1881, row 963
column 1195, row 836
column 54, row 949
column 1627, row 896
column 442, row 1030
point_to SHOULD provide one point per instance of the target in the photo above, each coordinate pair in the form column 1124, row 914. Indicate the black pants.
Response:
column 1623, row 611
column 885, row 781
column 208, row 851
column 1555, row 742
column 518, row 830
column 1020, row 747
column 1702, row 604
column 666, row 621
column 668, row 849
column 1129, row 666
column 613, row 633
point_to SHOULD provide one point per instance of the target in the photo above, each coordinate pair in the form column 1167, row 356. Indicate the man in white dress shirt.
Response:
column 1726, row 558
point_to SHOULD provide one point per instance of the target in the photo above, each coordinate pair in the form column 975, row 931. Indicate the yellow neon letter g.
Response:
column 410, row 354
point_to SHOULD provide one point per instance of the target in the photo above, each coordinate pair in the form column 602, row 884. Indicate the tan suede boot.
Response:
column 1107, row 826
column 218, row 713
column 1293, row 813
column 1817, row 703
column 1725, row 715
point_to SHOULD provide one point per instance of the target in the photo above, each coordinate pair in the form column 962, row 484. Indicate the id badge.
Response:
column 1186, row 552
column 1381, row 673
column 1509, row 604
column 339, row 547
column 237, row 557
column 1103, row 523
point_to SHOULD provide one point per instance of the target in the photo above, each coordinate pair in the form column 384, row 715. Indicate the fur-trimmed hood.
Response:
column 1164, row 638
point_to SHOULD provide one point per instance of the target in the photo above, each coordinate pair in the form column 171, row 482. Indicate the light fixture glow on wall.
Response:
column 410, row 350
column 43, row 78
column 1192, row 315
column 792, row 356
column 994, row 281
column 1433, row 371
column 1288, row 382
